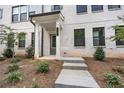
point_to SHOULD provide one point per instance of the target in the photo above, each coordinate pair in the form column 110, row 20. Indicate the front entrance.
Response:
column 52, row 44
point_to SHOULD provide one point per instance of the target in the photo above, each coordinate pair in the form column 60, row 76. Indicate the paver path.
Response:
column 75, row 75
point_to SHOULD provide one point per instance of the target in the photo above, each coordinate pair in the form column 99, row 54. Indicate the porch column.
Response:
column 58, row 40
column 36, row 54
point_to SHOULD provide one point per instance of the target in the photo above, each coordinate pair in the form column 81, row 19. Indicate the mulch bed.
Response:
column 28, row 71
column 98, row 68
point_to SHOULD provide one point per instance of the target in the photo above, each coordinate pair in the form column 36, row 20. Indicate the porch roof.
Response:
column 47, row 20
column 45, row 14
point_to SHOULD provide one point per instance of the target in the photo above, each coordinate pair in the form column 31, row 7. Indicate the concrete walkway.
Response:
column 75, row 75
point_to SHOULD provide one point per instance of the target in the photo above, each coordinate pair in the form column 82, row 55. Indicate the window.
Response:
column 32, row 9
column 22, row 42
column 98, row 36
column 19, row 13
column 15, row 14
column 118, row 42
column 1, row 13
column 33, row 39
column 114, row 7
column 79, row 37
column 81, row 8
column 53, row 41
column 56, row 7
column 23, row 13
column 97, row 8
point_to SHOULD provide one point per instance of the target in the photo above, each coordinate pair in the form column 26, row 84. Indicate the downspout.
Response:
column 34, row 30
column 41, row 38
column 42, row 42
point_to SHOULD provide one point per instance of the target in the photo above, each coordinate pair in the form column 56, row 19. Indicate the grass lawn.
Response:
column 28, row 71
column 98, row 68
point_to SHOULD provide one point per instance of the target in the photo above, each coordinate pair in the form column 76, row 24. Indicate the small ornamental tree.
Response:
column 119, row 35
column 10, row 37
column 99, row 54
column 30, row 51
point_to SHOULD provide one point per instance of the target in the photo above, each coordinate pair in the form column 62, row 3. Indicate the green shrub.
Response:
column 112, row 80
column 2, row 58
column 12, row 68
column 34, row 85
column 119, row 69
column 99, row 54
column 30, row 52
column 43, row 67
column 15, row 60
column 8, row 53
column 13, row 77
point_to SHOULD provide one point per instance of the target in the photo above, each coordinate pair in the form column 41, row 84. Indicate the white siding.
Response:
column 73, row 20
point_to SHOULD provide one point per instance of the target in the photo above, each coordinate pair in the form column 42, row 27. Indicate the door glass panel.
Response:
column 53, row 41
column 53, row 44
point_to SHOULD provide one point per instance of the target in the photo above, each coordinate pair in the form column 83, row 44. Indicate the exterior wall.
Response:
column 88, row 21
column 72, row 21
column 26, row 26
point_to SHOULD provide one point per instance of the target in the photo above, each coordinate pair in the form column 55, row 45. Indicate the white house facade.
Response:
column 65, row 30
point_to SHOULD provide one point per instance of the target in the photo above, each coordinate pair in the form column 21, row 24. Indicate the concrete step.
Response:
column 75, row 79
column 72, row 59
column 75, row 66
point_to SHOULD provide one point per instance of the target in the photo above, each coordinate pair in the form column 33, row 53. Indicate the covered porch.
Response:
column 47, row 27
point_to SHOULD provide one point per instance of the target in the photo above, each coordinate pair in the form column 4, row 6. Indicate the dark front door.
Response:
column 52, row 44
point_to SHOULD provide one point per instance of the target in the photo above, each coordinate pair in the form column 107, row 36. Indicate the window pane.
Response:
column 22, row 42
column 97, row 7
column 79, row 37
column 15, row 10
column 113, row 6
column 23, row 16
column 56, row 7
column 98, row 36
column 33, row 39
column 81, row 8
column 118, row 42
column 23, row 9
column 15, row 18
column 53, row 41
column 95, row 34
column 15, row 14
column 96, row 41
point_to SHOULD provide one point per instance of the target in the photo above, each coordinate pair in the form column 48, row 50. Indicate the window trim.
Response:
column 19, row 15
column 104, row 37
column 83, row 44
column 114, row 9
